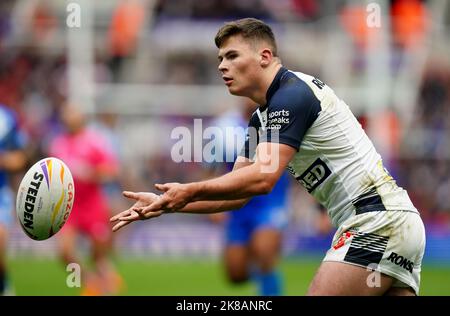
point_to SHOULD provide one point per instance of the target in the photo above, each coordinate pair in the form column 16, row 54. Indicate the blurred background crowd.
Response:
column 140, row 68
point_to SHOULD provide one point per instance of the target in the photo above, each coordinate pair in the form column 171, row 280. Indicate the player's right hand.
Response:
column 143, row 199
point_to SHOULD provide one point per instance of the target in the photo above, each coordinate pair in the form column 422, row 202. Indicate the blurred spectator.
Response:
column 43, row 21
column 211, row 10
column 354, row 20
column 34, row 22
column 126, row 25
column 410, row 22
column 426, row 156
column 5, row 21
column 306, row 9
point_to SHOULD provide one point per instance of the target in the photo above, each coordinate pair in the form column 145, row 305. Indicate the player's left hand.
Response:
column 130, row 215
column 175, row 197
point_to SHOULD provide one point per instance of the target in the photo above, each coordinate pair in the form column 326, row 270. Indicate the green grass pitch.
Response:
column 182, row 277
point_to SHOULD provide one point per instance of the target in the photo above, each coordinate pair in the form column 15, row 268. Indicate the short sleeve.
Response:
column 291, row 113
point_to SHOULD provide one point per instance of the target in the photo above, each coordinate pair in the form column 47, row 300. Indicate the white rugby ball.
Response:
column 45, row 198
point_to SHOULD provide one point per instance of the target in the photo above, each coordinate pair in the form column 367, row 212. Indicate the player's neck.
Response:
column 266, row 80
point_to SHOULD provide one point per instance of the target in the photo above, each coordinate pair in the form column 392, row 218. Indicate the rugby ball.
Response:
column 45, row 198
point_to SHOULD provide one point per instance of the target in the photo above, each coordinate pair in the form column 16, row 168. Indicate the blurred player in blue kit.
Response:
column 253, row 234
column 12, row 159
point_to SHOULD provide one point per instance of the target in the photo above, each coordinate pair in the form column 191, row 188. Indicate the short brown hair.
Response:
column 248, row 28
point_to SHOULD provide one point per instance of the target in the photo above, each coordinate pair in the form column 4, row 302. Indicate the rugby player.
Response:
column 302, row 126
column 12, row 159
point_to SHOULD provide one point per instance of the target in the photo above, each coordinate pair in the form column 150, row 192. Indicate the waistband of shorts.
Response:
column 374, row 209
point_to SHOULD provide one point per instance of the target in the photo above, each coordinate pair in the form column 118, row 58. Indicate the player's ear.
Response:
column 266, row 57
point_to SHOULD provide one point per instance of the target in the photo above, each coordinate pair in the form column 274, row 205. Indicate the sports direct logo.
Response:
column 221, row 144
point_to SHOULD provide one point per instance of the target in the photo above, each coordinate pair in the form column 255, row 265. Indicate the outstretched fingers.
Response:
column 128, row 215
column 124, row 218
column 150, row 214
column 162, row 187
column 157, row 206
column 119, row 225
column 153, row 208
column 116, row 217
column 131, row 216
column 131, row 195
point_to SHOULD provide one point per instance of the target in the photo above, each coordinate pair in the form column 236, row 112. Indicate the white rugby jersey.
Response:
column 336, row 161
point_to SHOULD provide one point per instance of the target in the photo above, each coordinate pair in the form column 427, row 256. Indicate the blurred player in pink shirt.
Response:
column 92, row 162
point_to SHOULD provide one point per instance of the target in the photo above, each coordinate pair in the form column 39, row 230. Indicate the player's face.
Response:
column 239, row 65
column 72, row 118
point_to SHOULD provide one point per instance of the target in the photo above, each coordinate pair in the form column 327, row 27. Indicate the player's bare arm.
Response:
column 228, row 192
column 239, row 184
column 212, row 206
column 145, row 199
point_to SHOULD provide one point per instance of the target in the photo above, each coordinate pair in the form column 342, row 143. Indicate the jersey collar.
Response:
column 274, row 85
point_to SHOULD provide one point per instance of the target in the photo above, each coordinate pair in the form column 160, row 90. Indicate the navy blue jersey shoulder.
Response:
column 290, row 111
column 291, row 107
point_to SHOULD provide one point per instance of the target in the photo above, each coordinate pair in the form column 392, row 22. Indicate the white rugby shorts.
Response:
column 391, row 242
